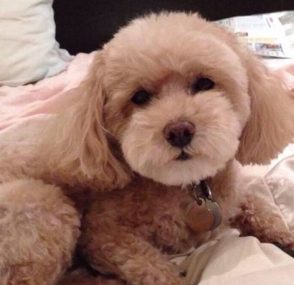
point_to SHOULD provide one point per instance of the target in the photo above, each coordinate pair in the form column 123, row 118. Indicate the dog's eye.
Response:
column 201, row 84
column 141, row 97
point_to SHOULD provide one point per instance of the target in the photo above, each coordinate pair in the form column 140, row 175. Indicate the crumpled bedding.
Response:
column 280, row 180
column 229, row 259
column 234, row 260
column 35, row 101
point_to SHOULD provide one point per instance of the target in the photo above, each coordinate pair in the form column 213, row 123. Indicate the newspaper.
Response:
column 268, row 35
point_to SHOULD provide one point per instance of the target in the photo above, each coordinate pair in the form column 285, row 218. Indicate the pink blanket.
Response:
column 35, row 101
column 18, row 104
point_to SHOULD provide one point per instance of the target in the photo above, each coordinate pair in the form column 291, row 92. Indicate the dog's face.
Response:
column 176, row 98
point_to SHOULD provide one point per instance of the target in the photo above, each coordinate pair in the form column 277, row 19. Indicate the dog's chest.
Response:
column 158, row 215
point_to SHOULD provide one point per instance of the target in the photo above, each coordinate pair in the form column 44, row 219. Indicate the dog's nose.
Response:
column 179, row 134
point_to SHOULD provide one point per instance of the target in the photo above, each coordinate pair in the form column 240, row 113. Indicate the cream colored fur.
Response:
column 101, row 141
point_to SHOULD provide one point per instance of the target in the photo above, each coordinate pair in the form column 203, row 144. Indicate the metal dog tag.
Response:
column 203, row 214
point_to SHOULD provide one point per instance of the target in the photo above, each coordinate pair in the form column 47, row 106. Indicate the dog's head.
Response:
column 177, row 98
column 181, row 97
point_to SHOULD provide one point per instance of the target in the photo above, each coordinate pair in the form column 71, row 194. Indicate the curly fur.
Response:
column 103, row 142
column 255, row 220
column 150, row 220
column 39, row 227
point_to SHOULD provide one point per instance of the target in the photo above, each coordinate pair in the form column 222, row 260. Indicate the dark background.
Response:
column 84, row 25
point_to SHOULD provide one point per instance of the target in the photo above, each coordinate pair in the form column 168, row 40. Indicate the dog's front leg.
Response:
column 257, row 218
column 112, row 248
column 39, row 229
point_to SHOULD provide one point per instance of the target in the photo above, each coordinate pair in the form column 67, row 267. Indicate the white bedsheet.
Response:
column 237, row 260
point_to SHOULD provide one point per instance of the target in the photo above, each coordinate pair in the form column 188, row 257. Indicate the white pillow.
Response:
column 28, row 49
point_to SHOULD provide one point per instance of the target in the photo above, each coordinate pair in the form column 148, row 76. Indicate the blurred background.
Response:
column 84, row 25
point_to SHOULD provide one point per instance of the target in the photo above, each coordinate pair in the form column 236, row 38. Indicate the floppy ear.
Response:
column 80, row 154
column 271, row 123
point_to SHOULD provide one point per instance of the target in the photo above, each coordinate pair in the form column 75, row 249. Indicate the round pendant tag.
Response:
column 204, row 217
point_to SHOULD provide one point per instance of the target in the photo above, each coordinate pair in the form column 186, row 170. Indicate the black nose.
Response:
column 179, row 134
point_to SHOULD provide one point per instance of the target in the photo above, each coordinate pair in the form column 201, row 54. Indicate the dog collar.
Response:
column 204, row 213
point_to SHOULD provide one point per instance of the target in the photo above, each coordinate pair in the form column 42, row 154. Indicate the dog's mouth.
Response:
column 183, row 156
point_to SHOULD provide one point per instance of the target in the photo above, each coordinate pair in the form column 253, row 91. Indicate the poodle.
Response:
column 171, row 105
